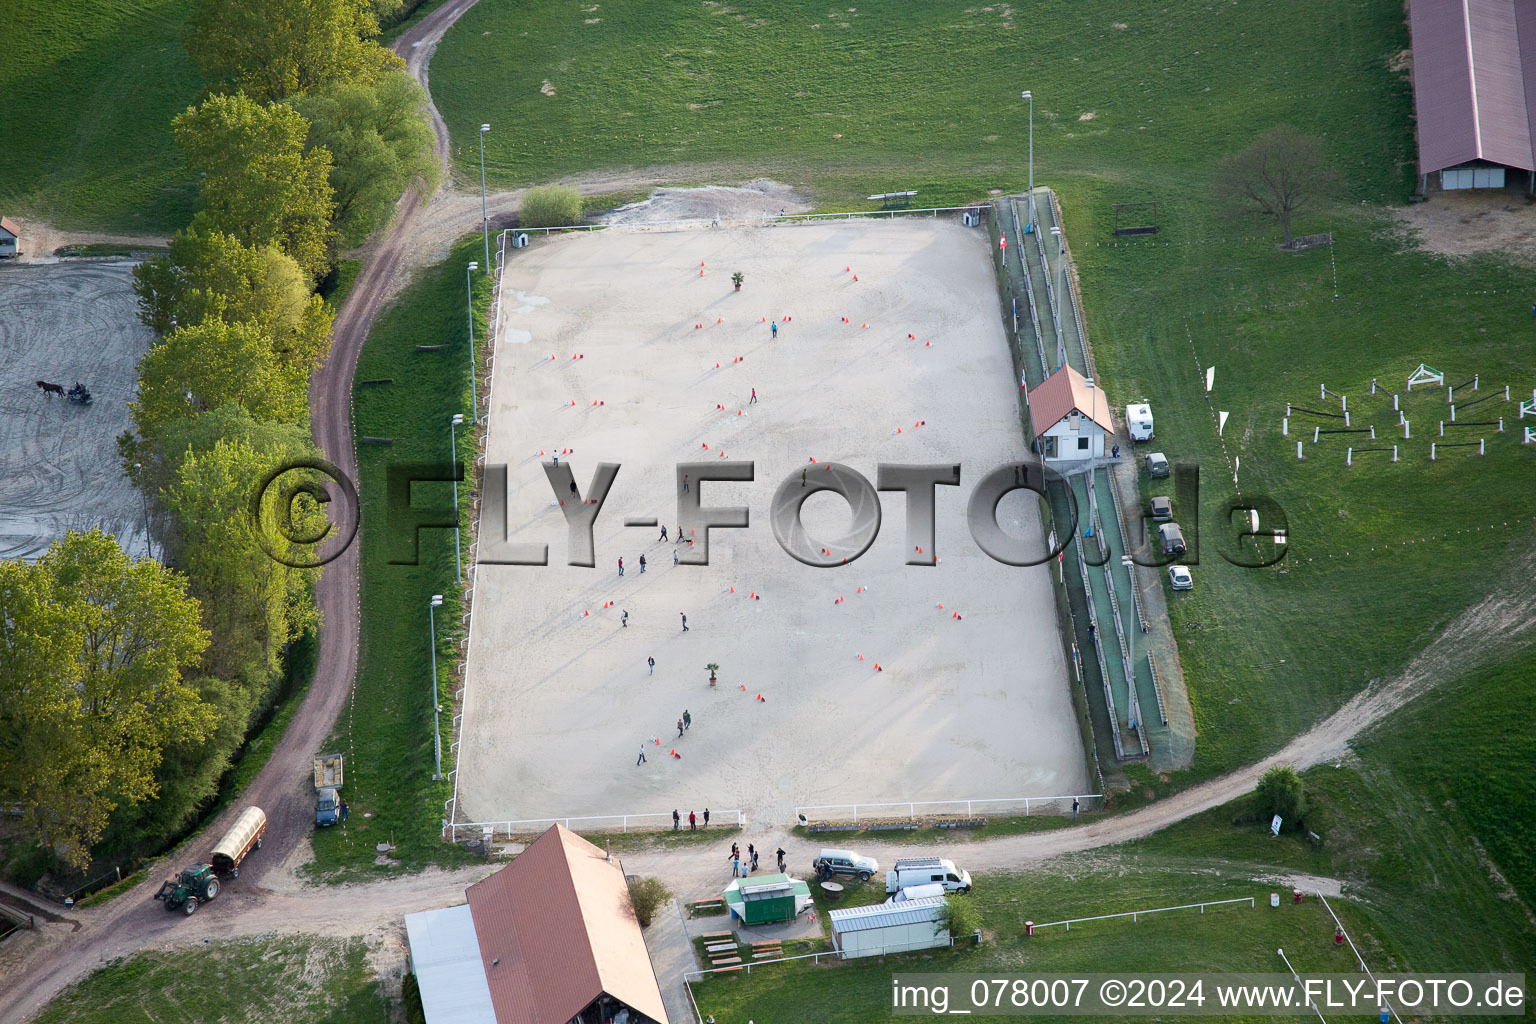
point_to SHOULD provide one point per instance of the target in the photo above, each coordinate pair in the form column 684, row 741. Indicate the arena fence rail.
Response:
column 852, row 811
column 1134, row 915
column 533, row 826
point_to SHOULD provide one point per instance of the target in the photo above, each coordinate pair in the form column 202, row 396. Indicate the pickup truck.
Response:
column 328, row 776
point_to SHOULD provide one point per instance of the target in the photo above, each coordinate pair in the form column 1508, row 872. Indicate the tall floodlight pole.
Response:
column 1031, row 99
column 437, row 743
column 485, row 223
column 469, row 287
column 1130, row 633
column 453, row 460
column 1056, row 299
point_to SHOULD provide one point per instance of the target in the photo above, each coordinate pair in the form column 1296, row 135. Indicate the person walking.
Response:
column 642, row 565
column 679, row 728
column 752, row 853
column 641, row 759
column 621, row 566
column 803, row 471
column 624, row 618
column 693, row 822
column 735, row 865
column 346, row 812
column 706, row 817
column 676, row 819
column 663, row 533
column 674, row 557
column 781, row 860
column 687, row 719
column 754, row 397
column 651, row 664
column 1074, row 808
column 735, row 850
column 685, row 621
column 685, row 483
column 773, row 329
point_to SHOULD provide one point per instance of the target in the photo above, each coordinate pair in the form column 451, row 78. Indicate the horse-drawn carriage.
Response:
column 79, row 394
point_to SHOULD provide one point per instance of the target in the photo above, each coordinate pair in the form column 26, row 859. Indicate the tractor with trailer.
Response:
column 196, row 885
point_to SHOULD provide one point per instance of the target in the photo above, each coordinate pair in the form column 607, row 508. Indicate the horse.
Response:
column 50, row 389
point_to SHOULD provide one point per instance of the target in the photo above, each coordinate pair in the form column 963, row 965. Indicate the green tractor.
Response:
column 196, row 884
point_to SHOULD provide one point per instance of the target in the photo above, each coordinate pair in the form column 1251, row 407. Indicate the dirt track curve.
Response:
column 36, row 966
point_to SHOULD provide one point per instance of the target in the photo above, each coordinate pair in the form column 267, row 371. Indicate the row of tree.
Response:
column 126, row 687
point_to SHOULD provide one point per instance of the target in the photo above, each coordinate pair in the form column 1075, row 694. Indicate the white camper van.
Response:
column 924, row 870
column 1138, row 422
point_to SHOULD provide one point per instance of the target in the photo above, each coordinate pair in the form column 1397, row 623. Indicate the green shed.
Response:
column 768, row 899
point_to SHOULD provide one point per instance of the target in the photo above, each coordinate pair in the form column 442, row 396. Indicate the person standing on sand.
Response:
column 706, row 817
column 679, row 728
column 621, row 566
column 685, row 621
column 674, row 557
column 641, row 760
column 642, row 565
column 624, row 619
column 693, row 822
column 687, row 719
column 802, row 476
column 773, row 329
column 685, row 483
column 676, row 819
column 651, row 662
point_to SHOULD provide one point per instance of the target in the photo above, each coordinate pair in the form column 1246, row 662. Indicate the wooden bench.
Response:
column 759, row 954
column 727, row 970
column 719, row 935
column 722, row 947
column 727, row 960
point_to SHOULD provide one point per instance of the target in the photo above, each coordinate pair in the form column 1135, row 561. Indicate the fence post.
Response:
column 1026, row 808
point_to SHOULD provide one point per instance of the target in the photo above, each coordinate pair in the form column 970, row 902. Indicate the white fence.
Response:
column 1135, row 915
column 932, row 211
column 931, row 807
column 529, row 826
column 834, row 954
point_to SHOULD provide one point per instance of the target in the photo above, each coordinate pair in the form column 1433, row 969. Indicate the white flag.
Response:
column 1210, row 378
column 1221, row 422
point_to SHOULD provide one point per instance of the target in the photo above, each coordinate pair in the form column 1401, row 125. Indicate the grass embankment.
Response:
column 89, row 92
column 326, row 981
column 386, row 730
column 913, row 96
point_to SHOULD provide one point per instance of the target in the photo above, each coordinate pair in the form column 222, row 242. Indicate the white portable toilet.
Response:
column 1138, row 422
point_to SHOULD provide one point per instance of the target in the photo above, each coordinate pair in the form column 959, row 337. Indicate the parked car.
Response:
column 911, row 871
column 844, row 862
column 1157, row 465
column 1179, row 578
column 328, row 779
column 1162, row 509
column 1171, row 538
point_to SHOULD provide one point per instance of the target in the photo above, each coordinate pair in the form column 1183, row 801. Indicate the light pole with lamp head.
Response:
column 1031, row 99
column 485, row 223
column 453, row 460
column 437, row 743
column 469, row 286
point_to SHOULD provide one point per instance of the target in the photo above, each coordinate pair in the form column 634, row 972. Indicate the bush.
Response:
column 647, row 894
column 959, row 917
column 1280, row 791
column 552, row 206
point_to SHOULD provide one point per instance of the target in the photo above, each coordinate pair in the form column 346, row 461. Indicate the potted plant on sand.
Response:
column 737, row 278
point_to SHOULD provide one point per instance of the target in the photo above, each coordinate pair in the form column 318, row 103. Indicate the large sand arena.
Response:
column 558, row 703
column 59, row 466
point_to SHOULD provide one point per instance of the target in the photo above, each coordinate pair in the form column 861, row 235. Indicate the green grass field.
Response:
column 89, row 92
column 386, row 731
column 322, row 981
column 926, row 96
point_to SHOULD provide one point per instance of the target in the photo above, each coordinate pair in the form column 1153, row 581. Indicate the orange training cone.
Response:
column 760, row 697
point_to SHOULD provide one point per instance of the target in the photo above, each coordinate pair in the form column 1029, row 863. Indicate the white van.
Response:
column 1138, row 422
column 917, row 892
column 925, row 870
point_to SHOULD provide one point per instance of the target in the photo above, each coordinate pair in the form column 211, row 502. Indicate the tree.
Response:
column 647, row 895
column 252, row 604
column 380, row 140
column 92, row 650
column 552, row 206
column 1281, row 791
column 272, row 49
column 959, row 917
column 260, row 185
column 209, row 275
column 1275, row 177
column 212, row 364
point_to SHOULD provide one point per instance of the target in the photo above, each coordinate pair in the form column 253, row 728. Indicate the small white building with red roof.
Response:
column 1070, row 417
